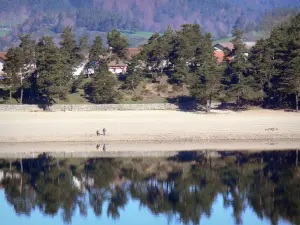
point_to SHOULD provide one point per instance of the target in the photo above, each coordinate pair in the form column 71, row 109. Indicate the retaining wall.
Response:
column 89, row 107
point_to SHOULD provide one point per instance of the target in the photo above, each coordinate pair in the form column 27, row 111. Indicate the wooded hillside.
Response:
column 86, row 16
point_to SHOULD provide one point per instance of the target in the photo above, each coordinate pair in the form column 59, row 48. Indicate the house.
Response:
column 227, row 48
column 249, row 44
column 222, row 47
column 81, row 69
column 221, row 50
column 2, row 62
column 220, row 56
column 117, row 66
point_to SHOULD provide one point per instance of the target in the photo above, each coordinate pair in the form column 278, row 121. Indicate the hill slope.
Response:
column 215, row 16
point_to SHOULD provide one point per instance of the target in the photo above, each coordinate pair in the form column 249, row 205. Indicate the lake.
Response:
column 189, row 188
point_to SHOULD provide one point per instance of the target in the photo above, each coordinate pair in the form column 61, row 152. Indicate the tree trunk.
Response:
column 238, row 99
column 21, row 98
column 269, row 94
column 10, row 94
column 207, row 106
column 31, row 93
column 210, row 103
column 296, row 99
column 132, row 86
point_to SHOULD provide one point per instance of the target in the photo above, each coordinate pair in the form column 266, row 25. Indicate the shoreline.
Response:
column 133, row 149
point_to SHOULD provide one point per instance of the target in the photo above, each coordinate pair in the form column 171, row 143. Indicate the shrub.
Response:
column 145, row 92
column 137, row 98
column 176, row 88
column 162, row 88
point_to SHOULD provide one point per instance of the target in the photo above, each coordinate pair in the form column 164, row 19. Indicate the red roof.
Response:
column 220, row 56
column 227, row 45
column 132, row 52
column 3, row 55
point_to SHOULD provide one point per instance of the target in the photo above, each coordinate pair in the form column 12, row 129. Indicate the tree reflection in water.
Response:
column 186, row 185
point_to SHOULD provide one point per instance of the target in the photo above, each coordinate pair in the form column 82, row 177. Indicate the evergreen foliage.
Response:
column 102, row 87
column 207, row 72
column 119, row 44
column 238, row 82
column 265, row 75
column 53, row 71
column 20, row 63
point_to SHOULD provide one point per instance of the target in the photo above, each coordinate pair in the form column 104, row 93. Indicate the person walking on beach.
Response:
column 104, row 131
column 97, row 133
column 104, row 147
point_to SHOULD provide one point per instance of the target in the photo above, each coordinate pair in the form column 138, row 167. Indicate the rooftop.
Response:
column 3, row 55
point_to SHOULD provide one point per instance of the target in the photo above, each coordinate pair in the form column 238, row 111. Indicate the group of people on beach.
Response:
column 98, row 133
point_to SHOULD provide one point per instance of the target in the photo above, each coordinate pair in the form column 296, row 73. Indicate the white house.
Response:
column 117, row 66
column 81, row 69
column 2, row 63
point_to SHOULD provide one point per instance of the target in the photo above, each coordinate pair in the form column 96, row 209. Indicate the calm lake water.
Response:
column 190, row 188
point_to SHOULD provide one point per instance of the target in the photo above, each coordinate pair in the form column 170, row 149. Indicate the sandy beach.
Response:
column 150, row 126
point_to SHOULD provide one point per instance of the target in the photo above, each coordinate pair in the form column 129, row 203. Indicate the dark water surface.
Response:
column 189, row 188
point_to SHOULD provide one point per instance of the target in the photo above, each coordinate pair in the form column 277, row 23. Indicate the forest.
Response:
column 267, row 75
column 184, row 187
column 45, row 17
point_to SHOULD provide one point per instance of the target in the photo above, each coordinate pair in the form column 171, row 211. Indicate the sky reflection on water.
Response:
column 133, row 215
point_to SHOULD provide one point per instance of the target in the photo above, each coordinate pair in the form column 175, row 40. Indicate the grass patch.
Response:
column 250, row 36
column 75, row 98
column 144, row 101
column 222, row 41
column 142, row 34
column 10, row 102
column 136, row 38
column 4, row 32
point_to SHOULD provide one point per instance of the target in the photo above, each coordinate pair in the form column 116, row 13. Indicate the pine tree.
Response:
column 96, row 49
column 155, row 54
column 13, row 65
column 184, row 46
column 118, row 43
column 265, row 71
column 277, row 47
column 83, row 45
column 69, row 49
column 102, row 87
column 28, row 47
column 95, row 53
column 134, row 72
column 207, row 74
column 238, row 81
column 181, row 73
column 20, row 63
column 290, row 81
column 52, row 70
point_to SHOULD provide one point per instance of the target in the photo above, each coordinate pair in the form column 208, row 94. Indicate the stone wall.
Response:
column 16, row 108
column 89, row 107
column 93, row 154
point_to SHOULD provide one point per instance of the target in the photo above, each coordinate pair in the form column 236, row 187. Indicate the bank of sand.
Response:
column 241, row 129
